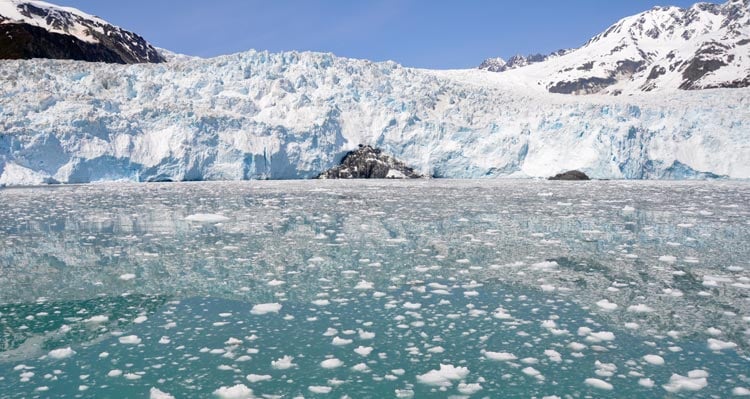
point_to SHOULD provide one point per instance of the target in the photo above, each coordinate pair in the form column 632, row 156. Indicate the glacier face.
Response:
column 259, row 115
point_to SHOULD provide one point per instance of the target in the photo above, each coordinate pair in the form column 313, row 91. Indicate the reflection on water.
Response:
column 570, row 284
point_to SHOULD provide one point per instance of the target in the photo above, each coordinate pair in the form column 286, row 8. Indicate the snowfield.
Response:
column 259, row 115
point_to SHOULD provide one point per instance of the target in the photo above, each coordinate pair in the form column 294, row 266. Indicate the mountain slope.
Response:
column 35, row 29
column 666, row 48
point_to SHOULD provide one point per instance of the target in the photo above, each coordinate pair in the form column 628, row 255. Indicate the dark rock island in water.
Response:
column 570, row 175
column 367, row 162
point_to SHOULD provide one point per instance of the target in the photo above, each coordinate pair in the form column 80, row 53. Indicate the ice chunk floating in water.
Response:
column 375, row 289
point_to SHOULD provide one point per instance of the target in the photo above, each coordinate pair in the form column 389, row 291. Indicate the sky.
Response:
column 437, row 34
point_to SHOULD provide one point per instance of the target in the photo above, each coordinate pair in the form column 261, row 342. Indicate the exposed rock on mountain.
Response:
column 517, row 61
column 35, row 29
column 370, row 163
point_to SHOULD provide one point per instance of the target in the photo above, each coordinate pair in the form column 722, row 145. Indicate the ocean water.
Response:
column 379, row 289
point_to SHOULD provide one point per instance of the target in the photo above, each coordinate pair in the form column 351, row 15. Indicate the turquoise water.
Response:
column 376, row 289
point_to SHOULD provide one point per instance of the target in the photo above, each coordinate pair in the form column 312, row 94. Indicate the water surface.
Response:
column 376, row 289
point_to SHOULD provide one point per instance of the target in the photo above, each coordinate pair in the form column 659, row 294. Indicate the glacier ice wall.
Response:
column 259, row 115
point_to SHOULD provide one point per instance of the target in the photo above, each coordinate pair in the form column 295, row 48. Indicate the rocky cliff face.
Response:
column 35, row 29
column 370, row 163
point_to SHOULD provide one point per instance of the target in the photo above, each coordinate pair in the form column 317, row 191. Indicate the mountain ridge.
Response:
column 36, row 29
column 704, row 46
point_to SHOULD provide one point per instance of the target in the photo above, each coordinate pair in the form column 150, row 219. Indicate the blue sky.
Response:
column 418, row 33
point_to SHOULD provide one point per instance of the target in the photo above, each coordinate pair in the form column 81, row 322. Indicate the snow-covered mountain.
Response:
column 259, row 115
column 36, row 29
column 704, row 46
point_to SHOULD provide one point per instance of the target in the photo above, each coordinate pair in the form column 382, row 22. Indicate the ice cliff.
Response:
column 258, row 115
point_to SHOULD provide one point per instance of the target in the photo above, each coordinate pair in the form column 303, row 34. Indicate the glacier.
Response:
column 293, row 115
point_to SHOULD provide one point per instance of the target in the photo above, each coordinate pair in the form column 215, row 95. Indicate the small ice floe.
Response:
column 545, row 266
column 127, row 276
column 500, row 356
column 532, row 372
column 265, row 308
column 283, row 363
column 740, row 391
column 360, row 368
column 606, row 305
column 469, row 389
column 605, row 369
column 319, row 389
column 713, row 331
column 363, row 350
column 206, row 218
column 155, row 393
column 62, row 353
column 598, row 384
column 646, row 382
column 553, row 355
column 444, row 376
column 640, row 308
column 331, row 363
column 656, row 360
column 130, row 340
column 667, row 259
column 140, row 319
column 366, row 335
column 275, row 283
column 321, row 302
column 253, row 378
column 364, row 285
column 114, row 373
column 719, row 345
column 341, row 341
column 239, row 391
column 599, row 336
column 97, row 319
column 695, row 381
column 502, row 314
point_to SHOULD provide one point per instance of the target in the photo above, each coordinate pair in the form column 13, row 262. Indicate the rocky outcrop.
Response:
column 570, row 175
column 367, row 162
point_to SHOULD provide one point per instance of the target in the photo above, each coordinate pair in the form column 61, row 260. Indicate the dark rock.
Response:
column 582, row 86
column 370, row 163
column 570, row 175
